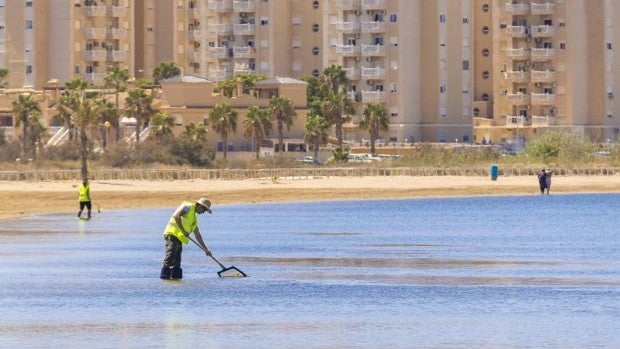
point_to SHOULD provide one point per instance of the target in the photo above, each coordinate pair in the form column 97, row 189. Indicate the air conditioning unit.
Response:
column 368, row 59
column 358, row 13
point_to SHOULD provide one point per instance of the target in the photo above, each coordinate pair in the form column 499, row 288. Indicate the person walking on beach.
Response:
column 182, row 223
column 542, row 180
column 84, row 199
column 548, row 175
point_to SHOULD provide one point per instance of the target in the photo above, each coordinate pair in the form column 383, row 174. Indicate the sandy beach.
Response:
column 29, row 198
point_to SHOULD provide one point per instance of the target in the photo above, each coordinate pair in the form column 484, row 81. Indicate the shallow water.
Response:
column 494, row 272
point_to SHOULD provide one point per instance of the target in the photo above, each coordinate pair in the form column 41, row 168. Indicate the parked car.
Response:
column 310, row 160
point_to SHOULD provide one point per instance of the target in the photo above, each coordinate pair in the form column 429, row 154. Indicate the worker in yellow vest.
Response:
column 84, row 198
column 182, row 223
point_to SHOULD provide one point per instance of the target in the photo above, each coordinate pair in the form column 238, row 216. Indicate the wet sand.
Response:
column 29, row 198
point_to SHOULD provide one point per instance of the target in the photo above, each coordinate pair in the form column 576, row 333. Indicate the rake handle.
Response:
column 205, row 251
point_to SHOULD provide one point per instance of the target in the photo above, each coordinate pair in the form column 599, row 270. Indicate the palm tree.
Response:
column 374, row 119
column 163, row 123
column 165, row 70
column 316, row 129
column 3, row 74
column 283, row 112
column 108, row 116
column 26, row 111
column 117, row 78
column 223, row 120
column 195, row 131
column 256, row 126
column 337, row 108
column 334, row 78
column 138, row 106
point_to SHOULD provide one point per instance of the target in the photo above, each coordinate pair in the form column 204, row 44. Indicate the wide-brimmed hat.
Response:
column 204, row 203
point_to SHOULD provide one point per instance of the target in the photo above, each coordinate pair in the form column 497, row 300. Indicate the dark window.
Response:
column 486, row 52
column 485, row 8
column 315, row 27
column 315, row 50
column 315, row 5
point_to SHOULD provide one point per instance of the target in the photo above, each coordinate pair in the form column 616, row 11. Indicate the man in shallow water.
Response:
column 182, row 223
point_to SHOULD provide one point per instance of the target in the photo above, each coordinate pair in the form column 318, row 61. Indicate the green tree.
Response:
column 223, row 120
column 26, row 112
column 337, row 108
column 283, row 112
column 165, row 70
column 374, row 119
column 3, row 74
column 256, row 125
column 138, row 104
column 334, row 78
column 316, row 132
column 108, row 116
column 162, row 123
column 117, row 78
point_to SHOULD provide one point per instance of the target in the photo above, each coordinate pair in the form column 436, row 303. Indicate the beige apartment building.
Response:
column 470, row 71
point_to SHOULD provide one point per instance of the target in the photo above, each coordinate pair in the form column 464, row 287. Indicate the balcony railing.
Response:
column 94, row 77
column 542, row 54
column 517, row 98
column 542, row 30
column 94, row 33
column 373, row 73
column 543, row 75
column 373, row 5
column 243, row 29
column 515, row 75
column 517, row 121
column 95, row 55
column 348, row 50
column 373, row 96
column 117, row 11
column 193, row 57
column 543, row 9
column 516, row 30
column 543, row 98
column 244, row 52
column 95, row 11
column 517, row 9
column 219, row 75
column 543, row 120
column 220, row 29
column 220, row 6
column 373, row 50
column 116, row 33
column 347, row 5
column 218, row 52
column 348, row 27
column 117, row 56
column 195, row 34
column 352, row 73
column 373, row 27
column 244, row 6
column 516, row 52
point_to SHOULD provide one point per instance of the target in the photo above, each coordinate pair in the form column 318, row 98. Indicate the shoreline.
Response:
column 30, row 198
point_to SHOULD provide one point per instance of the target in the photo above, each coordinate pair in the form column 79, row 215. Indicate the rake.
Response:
column 230, row 272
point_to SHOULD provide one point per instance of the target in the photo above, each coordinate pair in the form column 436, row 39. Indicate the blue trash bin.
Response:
column 494, row 172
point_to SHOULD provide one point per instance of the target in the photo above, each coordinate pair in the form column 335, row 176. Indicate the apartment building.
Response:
column 471, row 71
column 63, row 39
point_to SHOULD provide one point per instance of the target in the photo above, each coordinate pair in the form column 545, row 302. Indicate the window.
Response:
column 465, row 20
column 609, row 45
column 486, row 52
column 486, row 74
column 442, row 18
column 315, row 51
column 563, row 45
column 315, row 27
column 28, row 3
column 29, row 69
column 393, row 17
column 485, row 8
column 393, row 87
column 476, row 112
column 315, row 73
column 485, row 30
column 465, row 65
column 315, row 5
column 264, row 21
column 485, row 97
column 76, row 69
column 28, row 24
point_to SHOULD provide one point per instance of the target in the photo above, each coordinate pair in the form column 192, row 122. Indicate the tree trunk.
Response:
column 84, row 153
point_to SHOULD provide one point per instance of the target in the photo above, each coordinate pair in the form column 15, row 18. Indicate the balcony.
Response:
column 95, row 11
column 543, row 9
column 244, row 6
column 94, row 77
column 348, row 27
column 243, row 29
column 218, row 52
column 542, row 54
column 540, row 31
column 517, row 9
column 518, row 98
column 220, row 29
column 352, row 73
column 373, row 27
column 244, row 52
column 515, row 75
column 543, row 98
column 220, row 6
column 95, row 55
column 117, row 11
column 517, row 121
column 195, row 34
column 373, row 96
column 373, row 73
column 116, row 33
column 94, row 33
column 348, row 50
column 348, row 5
column 117, row 56
column 543, row 76
column 373, row 50
column 516, row 30
column 193, row 57
column 219, row 75
column 373, row 5
column 517, row 53
column 194, row 12
column 543, row 120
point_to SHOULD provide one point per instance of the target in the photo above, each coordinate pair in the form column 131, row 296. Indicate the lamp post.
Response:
column 107, row 133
